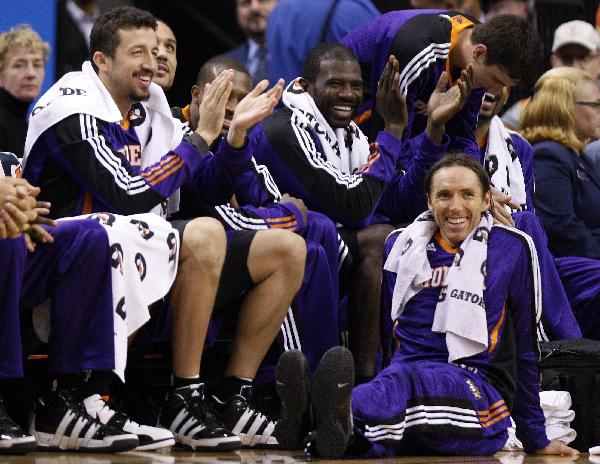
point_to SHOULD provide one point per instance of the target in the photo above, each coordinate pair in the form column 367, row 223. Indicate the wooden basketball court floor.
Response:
column 274, row 457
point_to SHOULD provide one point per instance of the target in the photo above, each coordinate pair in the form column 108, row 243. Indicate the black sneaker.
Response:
column 246, row 421
column 332, row 414
column 293, row 386
column 61, row 423
column 13, row 440
column 150, row 438
column 194, row 425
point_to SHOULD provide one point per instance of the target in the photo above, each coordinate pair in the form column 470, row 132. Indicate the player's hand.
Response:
column 286, row 198
column 252, row 109
column 36, row 233
column 391, row 104
column 445, row 103
column 498, row 209
column 6, row 189
column 557, row 448
column 212, row 106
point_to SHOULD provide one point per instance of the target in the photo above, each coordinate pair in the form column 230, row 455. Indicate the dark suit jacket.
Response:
column 240, row 53
column 71, row 47
column 567, row 200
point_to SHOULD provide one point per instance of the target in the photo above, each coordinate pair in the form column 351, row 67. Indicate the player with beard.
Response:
column 104, row 140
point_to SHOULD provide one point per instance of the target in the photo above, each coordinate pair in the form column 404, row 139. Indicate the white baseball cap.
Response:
column 576, row 32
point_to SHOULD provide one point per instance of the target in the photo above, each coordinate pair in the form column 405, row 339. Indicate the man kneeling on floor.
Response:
column 466, row 357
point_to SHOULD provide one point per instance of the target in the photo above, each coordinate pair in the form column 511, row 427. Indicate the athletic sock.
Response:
column 95, row 382
column 231, row 386
column 180, row 382
column 60, row 382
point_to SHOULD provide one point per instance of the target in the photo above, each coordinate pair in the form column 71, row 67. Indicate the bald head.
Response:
column 211, row 69
column 241, row 86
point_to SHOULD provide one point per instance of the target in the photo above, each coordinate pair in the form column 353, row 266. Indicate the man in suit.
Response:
column 252, row 18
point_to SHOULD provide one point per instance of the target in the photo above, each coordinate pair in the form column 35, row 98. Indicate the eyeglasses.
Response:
column 595, row 105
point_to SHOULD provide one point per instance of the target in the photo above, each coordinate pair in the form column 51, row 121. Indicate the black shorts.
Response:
column 235, row 277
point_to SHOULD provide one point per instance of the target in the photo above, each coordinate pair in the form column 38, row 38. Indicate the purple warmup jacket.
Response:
column 421, row 41
column 86, row 165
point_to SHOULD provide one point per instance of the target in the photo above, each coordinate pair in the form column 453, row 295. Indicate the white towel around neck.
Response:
column 83, row 92
column 347, row 149
column 463, row 321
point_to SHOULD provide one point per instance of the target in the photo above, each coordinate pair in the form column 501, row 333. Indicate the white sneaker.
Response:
column 150, row 438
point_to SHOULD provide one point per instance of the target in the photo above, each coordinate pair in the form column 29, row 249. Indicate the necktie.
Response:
column 262, row 65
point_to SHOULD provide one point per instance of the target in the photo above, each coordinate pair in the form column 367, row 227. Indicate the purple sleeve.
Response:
column 404, row 199
column 527, row 411
column 215, row 179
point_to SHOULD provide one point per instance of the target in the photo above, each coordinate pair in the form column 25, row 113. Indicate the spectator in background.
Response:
column 166, row 59
column 567, row 190
column 252, row 18
column 23, row 56
column 74, row 21
column 513, row 7
column 576, row 44
column 296, row 27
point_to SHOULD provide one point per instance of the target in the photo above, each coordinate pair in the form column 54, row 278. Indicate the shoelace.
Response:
column 110, row 413
column 76, row 406
column 202, row 411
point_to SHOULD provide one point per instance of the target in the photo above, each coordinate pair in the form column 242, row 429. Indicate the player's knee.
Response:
column 204, row 242
column 293, row 252
column 276, row 250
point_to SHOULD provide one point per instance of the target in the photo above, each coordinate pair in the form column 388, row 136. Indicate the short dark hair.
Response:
column 512, row 43
column 463, row 160
column 217, row 64
column 323, row 52
column 105, row 33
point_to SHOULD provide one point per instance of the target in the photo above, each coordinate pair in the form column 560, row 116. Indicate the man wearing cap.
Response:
column 576, row 44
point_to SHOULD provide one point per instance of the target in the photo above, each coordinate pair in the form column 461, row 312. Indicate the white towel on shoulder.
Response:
column 502, row 163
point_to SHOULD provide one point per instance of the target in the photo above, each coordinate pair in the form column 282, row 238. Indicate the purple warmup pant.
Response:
column 429, row 407
column 315, row 306
column 581, row 279
column 75, row 272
